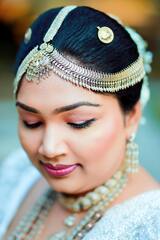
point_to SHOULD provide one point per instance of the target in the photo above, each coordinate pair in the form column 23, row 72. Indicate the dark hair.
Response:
column 77, row 37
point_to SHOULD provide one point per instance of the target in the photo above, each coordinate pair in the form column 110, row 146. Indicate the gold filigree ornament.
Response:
column 39, row 63
column 105, row 34
column 28, row 35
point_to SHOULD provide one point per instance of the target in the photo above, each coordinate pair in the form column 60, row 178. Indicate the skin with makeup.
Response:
column 78, row 85
column 76, row 141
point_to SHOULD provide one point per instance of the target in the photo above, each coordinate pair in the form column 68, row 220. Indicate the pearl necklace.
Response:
column 78, row 204
column 95, row 203
column 95, row 212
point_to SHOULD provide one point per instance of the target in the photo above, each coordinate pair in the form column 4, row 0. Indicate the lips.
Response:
column 58, row 170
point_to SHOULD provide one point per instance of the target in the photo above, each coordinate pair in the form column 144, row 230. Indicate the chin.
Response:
column 67, row 187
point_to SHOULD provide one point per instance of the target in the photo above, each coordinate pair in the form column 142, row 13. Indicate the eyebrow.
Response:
column 57, row 110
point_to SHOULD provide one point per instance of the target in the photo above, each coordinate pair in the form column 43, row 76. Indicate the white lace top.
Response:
column 135, row 219
column 17, row 176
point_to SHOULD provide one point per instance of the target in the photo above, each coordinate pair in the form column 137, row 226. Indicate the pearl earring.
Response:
column 132, row 155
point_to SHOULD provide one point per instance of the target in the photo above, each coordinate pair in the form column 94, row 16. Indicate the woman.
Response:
column 77, row 87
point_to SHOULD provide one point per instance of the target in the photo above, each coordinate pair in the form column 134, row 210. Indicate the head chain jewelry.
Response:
column 43, row 59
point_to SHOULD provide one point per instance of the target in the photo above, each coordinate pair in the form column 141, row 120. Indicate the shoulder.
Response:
column 137, row 218
column 17, row 177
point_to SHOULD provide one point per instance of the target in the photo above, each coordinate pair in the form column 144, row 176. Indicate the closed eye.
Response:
column 81, row 125
column 32, row 125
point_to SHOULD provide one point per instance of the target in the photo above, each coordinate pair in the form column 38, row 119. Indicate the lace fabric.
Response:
column 135, row 219
column 17, row 176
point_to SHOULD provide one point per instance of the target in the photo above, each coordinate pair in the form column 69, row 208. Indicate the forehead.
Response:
column 56, row 90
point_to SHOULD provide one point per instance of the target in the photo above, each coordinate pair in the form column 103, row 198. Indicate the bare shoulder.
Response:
column 38, row 188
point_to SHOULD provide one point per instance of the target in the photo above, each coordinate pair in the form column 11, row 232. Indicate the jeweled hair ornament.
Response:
column 28, row 35
column 44, row 59
column 105, row 34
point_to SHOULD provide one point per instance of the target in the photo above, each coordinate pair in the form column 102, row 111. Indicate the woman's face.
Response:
column 74, row 137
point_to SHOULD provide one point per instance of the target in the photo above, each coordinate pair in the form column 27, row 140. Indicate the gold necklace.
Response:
column 32, row 224
column 82, row 203
column 95, row 209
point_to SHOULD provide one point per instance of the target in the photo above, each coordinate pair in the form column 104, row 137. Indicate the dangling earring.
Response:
column 132, row 155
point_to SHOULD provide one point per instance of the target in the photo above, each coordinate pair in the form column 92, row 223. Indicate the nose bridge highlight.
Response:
column 52, row 142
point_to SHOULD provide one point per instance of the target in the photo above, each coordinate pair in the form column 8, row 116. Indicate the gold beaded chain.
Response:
column 32, row 222
column 31, row 225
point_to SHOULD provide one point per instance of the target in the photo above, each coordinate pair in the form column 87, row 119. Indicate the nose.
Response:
column 53, row 144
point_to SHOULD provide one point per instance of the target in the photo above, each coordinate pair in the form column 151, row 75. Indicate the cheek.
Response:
column 29, row 141
column 106, row 140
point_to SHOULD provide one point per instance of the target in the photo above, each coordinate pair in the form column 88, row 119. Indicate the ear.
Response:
column 132, row 119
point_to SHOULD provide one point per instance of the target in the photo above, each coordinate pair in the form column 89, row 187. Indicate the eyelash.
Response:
column 33, row 125
column 73, row 125
column 82, row 125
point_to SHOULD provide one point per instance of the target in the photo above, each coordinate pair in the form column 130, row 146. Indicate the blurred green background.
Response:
column 143, row 15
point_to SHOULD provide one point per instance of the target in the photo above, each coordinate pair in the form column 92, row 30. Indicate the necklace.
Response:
column 78, row 204
column 95, row 203
column 31, row 224
column 92, row 216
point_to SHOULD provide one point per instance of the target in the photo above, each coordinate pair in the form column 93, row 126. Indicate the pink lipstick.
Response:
column 58, row 170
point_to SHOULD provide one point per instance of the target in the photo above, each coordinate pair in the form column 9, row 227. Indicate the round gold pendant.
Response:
column 105, row 34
